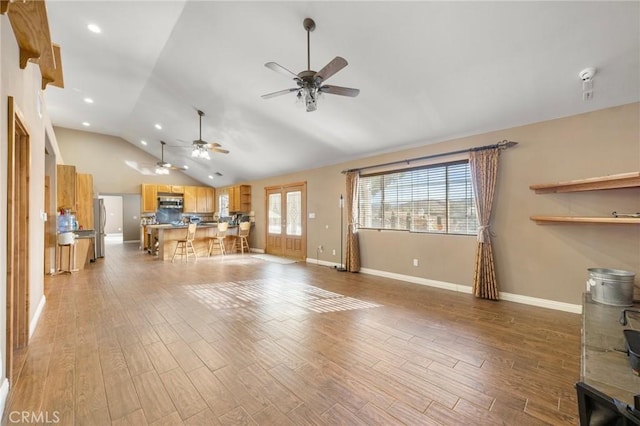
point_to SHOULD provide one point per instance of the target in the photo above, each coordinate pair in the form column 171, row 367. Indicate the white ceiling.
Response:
column 427, row 72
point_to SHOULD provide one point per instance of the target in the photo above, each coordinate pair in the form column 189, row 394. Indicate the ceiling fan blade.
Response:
column 213, row 145
column 278, row 93
column 338, row 90
column 331, row 68
column 220, row 150
column 281, row 70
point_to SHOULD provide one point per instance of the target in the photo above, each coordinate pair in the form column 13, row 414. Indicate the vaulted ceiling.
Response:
column 427, row 72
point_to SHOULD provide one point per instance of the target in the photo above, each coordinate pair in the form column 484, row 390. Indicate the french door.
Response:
column 286, row 220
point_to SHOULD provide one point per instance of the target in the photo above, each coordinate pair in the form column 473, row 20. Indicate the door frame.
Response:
column 303, row 237
column 18, row 173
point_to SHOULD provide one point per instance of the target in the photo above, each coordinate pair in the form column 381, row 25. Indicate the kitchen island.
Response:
column 167, row 235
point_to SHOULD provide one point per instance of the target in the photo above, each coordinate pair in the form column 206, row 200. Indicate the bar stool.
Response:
column 66, row 239
column 186, row 244
column 243, row 236
column 217, row 240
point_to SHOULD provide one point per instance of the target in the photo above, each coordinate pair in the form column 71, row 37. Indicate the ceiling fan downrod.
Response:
column 309, row 25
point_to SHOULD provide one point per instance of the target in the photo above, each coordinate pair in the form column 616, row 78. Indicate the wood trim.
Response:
column 4, row 5
column 18, row 171
column 622, row 180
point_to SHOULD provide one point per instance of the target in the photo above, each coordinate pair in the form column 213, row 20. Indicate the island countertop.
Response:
column 603, row 365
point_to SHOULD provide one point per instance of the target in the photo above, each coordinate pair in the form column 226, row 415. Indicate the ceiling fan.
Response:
column 162, row 167
column 201, row 148
column 311, row 83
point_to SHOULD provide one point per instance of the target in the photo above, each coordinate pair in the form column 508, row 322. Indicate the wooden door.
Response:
column 84, row 200
column 190, row 200
column 286, row 220
column 17, row 237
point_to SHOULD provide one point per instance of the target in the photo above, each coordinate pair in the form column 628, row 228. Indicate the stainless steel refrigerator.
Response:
column 99, row 219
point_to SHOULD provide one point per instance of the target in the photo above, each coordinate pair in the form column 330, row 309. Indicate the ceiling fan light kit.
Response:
column 162, row 167
column 310, row 83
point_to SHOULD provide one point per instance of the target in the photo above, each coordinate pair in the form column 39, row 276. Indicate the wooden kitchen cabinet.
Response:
column 190, row 199
column 84, row 200
column 149, row 197
column 205, row 199
column 66, row 187
column 240, row 199
column 170, row 189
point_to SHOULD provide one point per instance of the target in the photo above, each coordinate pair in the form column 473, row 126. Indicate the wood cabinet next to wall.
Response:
column 84, row 200
column 66, row 187
column 190, row 202
column 240, row 199
column 149, row 197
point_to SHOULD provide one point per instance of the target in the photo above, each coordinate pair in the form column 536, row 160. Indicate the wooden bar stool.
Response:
column 243, row 236
column 217, row 241
column 186, row 244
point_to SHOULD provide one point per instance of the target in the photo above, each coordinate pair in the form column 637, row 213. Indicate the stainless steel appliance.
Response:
column 99, row 222
column 173, row 202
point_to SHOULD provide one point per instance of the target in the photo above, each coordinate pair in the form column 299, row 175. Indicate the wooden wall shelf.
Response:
column 31, row 29
column 623, row 180
column 585, row 219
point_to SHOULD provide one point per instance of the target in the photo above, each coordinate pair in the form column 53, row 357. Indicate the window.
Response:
column 223, row 205
column 436, row 199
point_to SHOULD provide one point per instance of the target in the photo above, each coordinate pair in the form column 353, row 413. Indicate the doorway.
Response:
column 287, row 220
column 18, row 161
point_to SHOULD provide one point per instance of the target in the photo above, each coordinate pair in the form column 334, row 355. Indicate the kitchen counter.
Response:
column 166, row 235
column 603, row 366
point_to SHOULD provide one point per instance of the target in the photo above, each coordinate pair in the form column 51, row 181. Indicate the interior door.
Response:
column 286, row 220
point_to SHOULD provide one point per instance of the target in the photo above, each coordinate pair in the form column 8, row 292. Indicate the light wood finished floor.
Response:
column 135, row 341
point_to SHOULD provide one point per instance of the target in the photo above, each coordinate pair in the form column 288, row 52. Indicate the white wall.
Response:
column 24, row 87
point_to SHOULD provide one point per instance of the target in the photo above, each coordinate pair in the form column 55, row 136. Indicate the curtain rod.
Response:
column 500, row 145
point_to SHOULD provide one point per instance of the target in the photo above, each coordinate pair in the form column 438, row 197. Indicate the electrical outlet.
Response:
column 320, row 248
column 415, row 262
column 333, row 252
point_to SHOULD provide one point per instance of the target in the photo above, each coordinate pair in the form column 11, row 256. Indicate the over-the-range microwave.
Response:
column 170, row 202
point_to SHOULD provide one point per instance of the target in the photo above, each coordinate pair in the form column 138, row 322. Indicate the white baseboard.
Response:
column 34, row 321
column 256, row 250
column 510, row 297
column 4, row 393
column 321, row 262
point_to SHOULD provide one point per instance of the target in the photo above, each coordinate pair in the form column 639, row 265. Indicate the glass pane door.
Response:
column 294, row 213
column 275, row 214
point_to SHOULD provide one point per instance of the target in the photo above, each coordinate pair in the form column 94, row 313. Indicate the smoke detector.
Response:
column 587, row 74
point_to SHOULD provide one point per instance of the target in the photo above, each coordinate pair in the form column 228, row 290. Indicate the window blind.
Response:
column 437, row 198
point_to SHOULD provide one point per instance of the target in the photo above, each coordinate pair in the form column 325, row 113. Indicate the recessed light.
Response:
column 88, row 100
column 94, row 28
column 158, row 126
column 210, row 177
column 143, row 142
column 185, row 167
column 86, row 124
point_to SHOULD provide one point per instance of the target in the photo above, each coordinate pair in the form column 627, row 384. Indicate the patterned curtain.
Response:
column 353, row 244
column 484, row 170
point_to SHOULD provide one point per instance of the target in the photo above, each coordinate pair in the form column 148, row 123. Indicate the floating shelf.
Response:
column 623, row 180
column 585, row 219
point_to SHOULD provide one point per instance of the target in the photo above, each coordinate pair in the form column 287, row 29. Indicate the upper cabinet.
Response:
column 190, row 202
column 196, row 199
column 66, row 187
column 205, row 199
column 170, row 189
column 618, row 181
column 149, row 197
column 84, row 200
column 240, row 199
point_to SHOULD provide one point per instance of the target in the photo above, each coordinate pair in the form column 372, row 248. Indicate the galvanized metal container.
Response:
column 611, row 286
